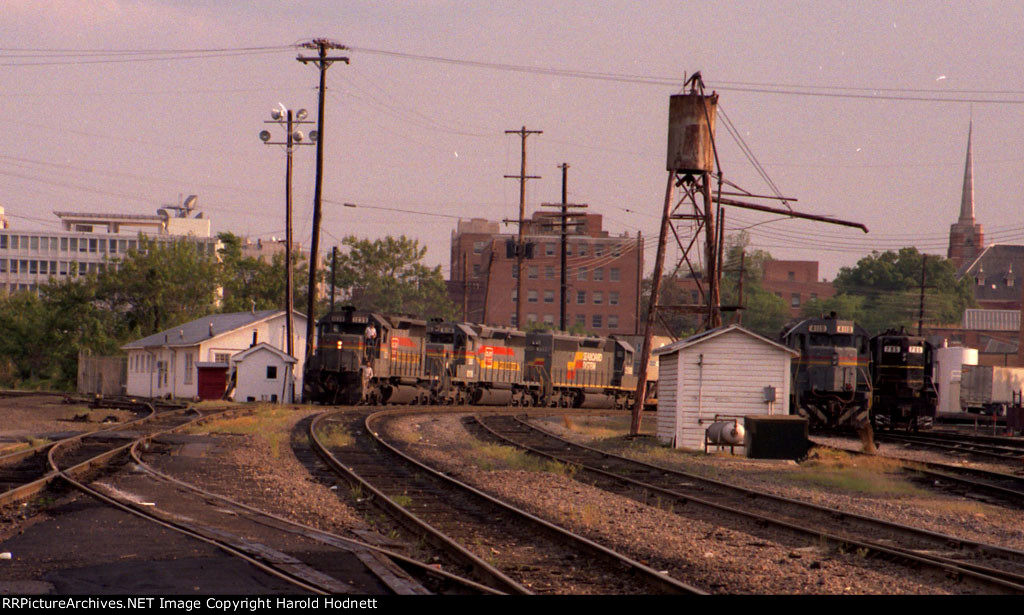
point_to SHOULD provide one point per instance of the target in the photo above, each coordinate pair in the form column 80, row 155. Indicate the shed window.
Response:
column 271, row 372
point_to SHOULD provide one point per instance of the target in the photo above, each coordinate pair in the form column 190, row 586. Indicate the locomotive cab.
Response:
column 346, row 357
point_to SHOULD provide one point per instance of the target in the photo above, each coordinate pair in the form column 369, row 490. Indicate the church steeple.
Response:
column 967, row 198
column 966, row 239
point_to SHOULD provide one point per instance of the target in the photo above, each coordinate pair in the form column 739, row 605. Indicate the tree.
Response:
column 762, row 312
column 252, row 283
column 386, row 275
column 160, row 285
column 889, row 285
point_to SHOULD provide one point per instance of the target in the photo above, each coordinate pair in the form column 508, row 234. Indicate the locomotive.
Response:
column 831, row 385
column 844, row 379
column 366, row 357
column 903, row 391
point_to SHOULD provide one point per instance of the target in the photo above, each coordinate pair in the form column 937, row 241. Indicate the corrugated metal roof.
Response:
column 201, row 329
column 991, row 320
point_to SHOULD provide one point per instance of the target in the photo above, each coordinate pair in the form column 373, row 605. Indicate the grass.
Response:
column 335, row 436
column 268, row 422
column 864, row 475
column 490, row 456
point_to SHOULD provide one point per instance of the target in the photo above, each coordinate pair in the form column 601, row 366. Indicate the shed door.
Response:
column 211, row 382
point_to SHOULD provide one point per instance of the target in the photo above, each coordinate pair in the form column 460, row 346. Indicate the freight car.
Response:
column 365, row 357
column 831, row 385
column 904, row 395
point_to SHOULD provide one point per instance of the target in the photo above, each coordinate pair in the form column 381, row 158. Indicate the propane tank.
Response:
column 726, row 432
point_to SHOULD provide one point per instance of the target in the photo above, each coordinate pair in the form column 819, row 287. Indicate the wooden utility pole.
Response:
column 323, row 62
column 520, row 248
column 920, row 313
column 563, row 275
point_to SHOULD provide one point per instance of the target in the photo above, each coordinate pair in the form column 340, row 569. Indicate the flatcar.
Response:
column 904, row 396
column 831, row 383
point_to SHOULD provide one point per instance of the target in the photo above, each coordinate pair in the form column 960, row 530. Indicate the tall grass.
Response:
column 488, row 456
column 268, row 422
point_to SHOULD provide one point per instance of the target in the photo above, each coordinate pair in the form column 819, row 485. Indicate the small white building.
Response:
column 721, row 374
column 165, row 363
column 264, row 373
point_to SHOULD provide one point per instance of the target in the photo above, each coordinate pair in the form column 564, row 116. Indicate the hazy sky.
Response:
column 845, row 105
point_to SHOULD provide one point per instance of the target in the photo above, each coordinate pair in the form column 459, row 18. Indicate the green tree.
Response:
column 252, row 283
column 387, row 275
column 160, row 285
column 888, row 284
column 762, row 311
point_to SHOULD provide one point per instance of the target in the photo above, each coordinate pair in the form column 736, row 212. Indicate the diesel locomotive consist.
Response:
column 902, row 388
column 844, row 379
column 365, row 357
column 830, row 383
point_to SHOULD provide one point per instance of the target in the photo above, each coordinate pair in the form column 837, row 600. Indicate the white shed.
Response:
column 264, row 373
column 724, row 373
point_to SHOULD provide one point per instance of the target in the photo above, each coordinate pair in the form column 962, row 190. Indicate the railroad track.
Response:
column 989, row 447
column 398, row 573
column 29, row 471
column 977, row 567
column 499, row 544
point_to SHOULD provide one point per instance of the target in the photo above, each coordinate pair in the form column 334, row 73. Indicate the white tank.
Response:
column 949, row 363
column 726, row 432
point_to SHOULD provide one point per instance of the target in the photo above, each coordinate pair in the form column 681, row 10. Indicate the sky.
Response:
column 858, row 110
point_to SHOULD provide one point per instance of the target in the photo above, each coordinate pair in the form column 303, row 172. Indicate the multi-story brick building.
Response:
column 603, row 274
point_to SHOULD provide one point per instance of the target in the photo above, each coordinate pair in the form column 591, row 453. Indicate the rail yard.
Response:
column 260, row 499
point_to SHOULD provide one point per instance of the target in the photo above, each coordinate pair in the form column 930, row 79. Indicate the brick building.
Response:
column 603, row 274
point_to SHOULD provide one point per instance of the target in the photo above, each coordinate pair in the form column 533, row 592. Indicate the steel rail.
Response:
column 323, row 536
column 989, row 576
column 31, row 488
column 502, row 582
column 180, row 527
column 658, row 579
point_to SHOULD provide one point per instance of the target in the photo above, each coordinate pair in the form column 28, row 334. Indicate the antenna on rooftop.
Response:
column 183, row 209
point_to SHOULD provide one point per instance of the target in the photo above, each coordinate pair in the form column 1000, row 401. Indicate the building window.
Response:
column 581, row 320
column 613, row 321
column 513, row 321
column 531, row 318
column 515, row 295
column 549, row 296
column 476, row 271
column 549, row 273
column 478, row 247
column 598, row 250
column 599, row 274
column 791, row 276
column 221, row 357
column 613, row 298
column 271, row 372
column 598, row 297
column 613, row 274
column 3, row 242
column 795, row 300
column 549, row 249
column 549, row 319
column 581, row 273
column 531, row 296
column 581, row 297
column 595, row 321
column 188, row 368
column 532, row 272
column 582, row 249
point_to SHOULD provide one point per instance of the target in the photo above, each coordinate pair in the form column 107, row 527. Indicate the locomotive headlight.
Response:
column 339, row 344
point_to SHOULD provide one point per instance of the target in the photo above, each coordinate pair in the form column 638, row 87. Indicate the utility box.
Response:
column 776, row 436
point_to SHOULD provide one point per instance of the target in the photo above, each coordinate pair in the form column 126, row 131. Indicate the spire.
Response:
column 967, row 198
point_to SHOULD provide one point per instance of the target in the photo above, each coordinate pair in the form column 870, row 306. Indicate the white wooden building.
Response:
column 164, row 364
column 264, row 373
column 724, row 373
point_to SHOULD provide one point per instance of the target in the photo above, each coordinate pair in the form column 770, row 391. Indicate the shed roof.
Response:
column 205, row 328
column 263, row 347
column 710, row 334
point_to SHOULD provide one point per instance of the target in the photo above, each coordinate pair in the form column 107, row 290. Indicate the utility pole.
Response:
column 920, row 313
column 334, row 267
column 323, row 62
column 520, row 248
column 565, row 215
